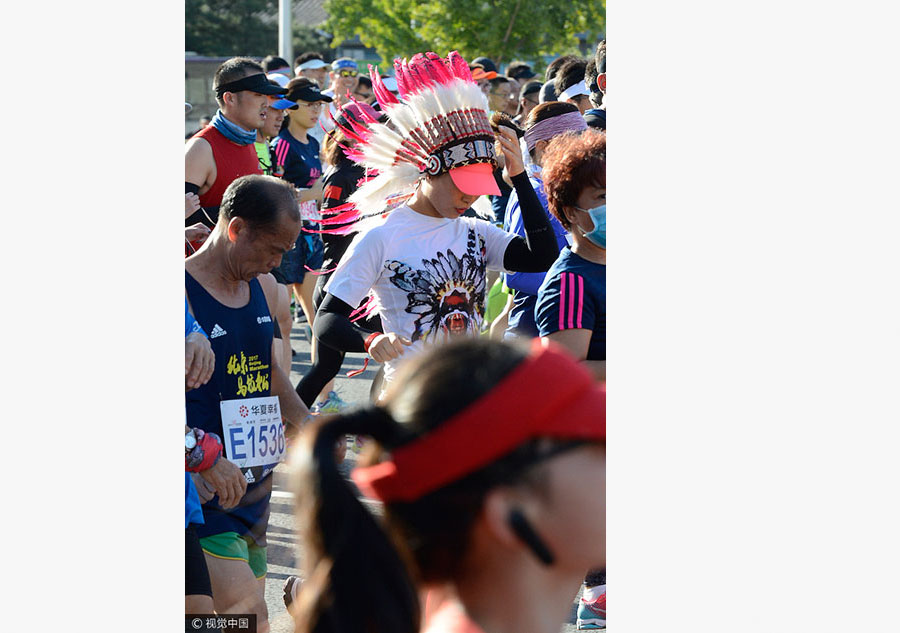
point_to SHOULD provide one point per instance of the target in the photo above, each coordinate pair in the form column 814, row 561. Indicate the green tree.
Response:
column 308, row 38
column 220, row 28
column 500, row 29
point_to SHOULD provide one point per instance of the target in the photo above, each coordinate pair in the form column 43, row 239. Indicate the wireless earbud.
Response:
column 527, row 535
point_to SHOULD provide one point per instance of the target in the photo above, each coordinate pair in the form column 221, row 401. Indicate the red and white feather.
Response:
column 440, row 103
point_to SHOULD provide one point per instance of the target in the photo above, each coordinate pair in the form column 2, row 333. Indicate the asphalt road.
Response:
column 282, row 556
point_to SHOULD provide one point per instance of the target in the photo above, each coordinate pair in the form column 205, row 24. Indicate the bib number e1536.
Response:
column 253, row 433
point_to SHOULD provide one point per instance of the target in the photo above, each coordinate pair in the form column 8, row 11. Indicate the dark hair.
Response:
column 600, row 57
column 594, row 68
column 232, row 70
column 571, row 163
column 554, row 66
column 260, row 201
column 305, row 57
column 420, row 541
column 548, row 111
column 300, row 82
column 569, row 74
column 590, row 78
column 335, row 140
column 271, row 62
column 364, row 81
column 332, row 152
column 502, row 118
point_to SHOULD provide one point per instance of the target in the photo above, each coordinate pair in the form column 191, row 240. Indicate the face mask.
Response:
column 598, row 217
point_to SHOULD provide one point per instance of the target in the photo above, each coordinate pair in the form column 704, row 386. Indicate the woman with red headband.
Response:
column 481, row 451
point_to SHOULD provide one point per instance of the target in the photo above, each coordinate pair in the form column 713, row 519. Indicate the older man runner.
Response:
column 248, row 395
column 223, row 151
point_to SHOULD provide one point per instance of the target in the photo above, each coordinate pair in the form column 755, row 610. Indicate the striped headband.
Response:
column 554, row 126
column 548, row 394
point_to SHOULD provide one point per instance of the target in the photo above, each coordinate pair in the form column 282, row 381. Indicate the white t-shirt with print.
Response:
column 427, row 275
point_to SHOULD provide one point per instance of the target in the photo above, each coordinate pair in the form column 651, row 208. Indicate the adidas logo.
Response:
column 249, row 477
column 217, row 331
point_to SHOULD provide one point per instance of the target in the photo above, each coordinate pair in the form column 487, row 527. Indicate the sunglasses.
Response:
column 348, row 73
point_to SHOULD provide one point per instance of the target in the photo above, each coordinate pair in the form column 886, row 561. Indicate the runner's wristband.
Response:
column 371, row 337
column 205, row 454
column 366, row 343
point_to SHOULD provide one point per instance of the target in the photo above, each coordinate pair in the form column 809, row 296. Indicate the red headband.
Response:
column 547, row 395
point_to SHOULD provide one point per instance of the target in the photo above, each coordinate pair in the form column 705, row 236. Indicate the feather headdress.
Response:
column 439, row 123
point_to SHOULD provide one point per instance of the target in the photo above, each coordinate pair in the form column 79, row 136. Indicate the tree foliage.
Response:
column 224, row 28
column 308, row 38
column 220, row 28
column 502, row 30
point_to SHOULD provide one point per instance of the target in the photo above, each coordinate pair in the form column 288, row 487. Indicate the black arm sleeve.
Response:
column 332, row 326
column 190, row 187
column 538, row 250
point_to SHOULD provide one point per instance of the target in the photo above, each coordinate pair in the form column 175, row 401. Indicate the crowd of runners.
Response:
column 448, row 222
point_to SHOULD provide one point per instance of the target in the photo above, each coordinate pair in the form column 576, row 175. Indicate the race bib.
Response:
column 253, row 435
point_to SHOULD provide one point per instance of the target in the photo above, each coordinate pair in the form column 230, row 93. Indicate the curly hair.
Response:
column 571, row 163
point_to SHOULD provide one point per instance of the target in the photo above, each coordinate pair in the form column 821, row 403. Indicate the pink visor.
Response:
column 475, row 180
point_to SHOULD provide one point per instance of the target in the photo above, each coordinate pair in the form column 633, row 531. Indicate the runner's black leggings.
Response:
column 328, row 360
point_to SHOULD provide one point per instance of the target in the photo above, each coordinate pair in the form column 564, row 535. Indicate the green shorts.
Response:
column 234, row 546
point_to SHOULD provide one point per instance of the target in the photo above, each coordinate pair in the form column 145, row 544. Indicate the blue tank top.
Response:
column 241, row 340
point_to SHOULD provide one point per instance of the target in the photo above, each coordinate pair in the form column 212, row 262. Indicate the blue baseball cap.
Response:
column 283, row 104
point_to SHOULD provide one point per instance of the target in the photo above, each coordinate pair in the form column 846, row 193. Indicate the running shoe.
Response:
column 592, row 615
column 290, row 589
column 332, row 404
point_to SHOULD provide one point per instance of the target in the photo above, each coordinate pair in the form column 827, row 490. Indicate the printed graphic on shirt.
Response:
column 447, row 292
column 252, row 375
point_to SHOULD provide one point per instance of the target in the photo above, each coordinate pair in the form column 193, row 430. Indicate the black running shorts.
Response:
column 196, row 575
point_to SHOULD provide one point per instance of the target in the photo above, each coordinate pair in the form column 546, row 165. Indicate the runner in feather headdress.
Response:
column 421, row 264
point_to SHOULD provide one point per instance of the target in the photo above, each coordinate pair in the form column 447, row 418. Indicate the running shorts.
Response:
column 308, row 251
column 196, row 574
column 234, row 546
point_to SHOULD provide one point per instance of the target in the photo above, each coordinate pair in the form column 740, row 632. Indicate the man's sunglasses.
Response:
column 348, row 73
